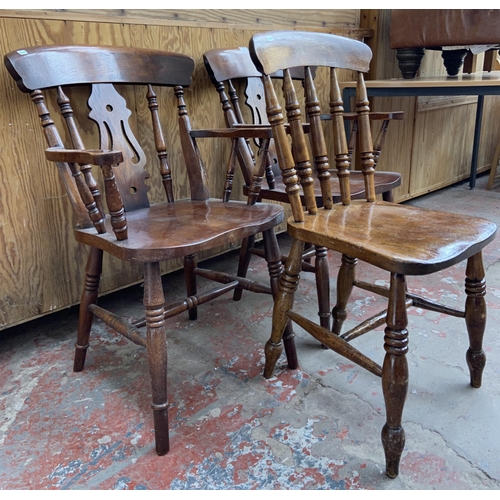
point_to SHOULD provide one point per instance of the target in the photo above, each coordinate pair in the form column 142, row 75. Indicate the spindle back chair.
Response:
column 401, row 239
column 231, row 70
column 134, row 229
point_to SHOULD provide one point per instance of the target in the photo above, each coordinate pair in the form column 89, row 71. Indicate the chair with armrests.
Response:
column 134, row 229
column 230, row 69
column 400, row 239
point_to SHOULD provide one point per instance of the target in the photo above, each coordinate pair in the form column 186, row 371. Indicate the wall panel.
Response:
column 434, row 146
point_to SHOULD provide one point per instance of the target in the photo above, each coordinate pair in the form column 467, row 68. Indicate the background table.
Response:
column 478, row 84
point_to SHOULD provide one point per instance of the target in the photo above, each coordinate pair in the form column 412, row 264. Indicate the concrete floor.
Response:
column 314, row 428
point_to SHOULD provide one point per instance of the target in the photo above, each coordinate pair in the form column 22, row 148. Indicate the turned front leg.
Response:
column 395, row 374
column 156, row 345
column 275, row 269
column 283, row 302
column 475, row 317
column 93, row 273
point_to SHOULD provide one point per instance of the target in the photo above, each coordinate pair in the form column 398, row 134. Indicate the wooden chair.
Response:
column 136, row 230
column 400, row 239
column 230, row 69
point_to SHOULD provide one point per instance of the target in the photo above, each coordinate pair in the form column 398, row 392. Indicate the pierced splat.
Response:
column 254, row 93
column 109, row 110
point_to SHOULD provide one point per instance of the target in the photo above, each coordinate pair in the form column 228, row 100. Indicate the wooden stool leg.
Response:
column 93, row 273
column 243, row 263
column 323, row 286
column 395, row 374
column 156, row 345
column 493, row 171
column 190, row 278
column 283, row 302
column 475, row 317
column 275, row 267
column 345, row 282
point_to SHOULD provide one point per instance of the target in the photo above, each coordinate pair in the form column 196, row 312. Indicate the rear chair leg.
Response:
column 243, row 263
column 93, row 273
column 283, row 302
column 345, row 282
column 323, row 286
column 156, row 345
column 475, row 317
column 190, row 278
column 395, row 374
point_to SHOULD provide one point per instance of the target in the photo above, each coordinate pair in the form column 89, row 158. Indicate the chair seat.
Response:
column 422, row 241
column 171, row 230
column 384, row 181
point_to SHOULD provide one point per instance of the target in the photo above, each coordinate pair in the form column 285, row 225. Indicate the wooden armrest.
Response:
column 244, row 126
column 251, row 125
column 249, row 131
column 84, row 156
column 374, row 115
column 242, row 130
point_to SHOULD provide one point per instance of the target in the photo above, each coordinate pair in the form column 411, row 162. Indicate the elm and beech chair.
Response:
column 134, row 229
column 231, row 70
column 400, row 239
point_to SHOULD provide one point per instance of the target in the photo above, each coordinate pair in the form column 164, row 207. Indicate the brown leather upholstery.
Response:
column 444, row 27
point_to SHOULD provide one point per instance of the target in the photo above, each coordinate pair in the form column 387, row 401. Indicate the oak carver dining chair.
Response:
column 400, row 239
column 232, row 69
column 134, row 229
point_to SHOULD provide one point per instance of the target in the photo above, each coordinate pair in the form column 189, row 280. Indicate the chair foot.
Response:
column 273, row 352
column 393, row 441
column 160, row 418
column 79, row 359
column 476, row 361
column 93, row 273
